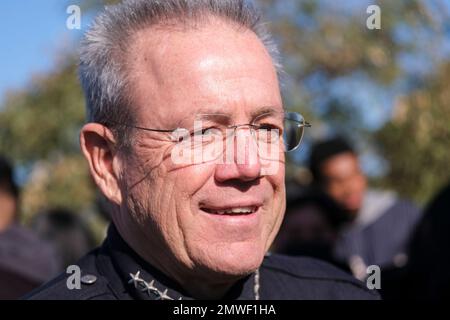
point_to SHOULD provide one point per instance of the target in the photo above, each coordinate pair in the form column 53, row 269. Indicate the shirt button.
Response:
column 88, row 279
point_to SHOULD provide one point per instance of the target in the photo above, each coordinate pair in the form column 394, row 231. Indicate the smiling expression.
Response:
column 216, row 218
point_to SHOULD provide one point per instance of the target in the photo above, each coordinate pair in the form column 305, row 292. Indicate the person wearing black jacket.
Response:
column 186, row 138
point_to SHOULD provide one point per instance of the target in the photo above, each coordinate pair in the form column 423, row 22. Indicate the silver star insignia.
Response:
column 135, row 279
column 150, row 288
column 164, row 295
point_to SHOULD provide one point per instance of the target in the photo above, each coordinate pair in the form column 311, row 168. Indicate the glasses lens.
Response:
column 294, row 127
column 212, row 137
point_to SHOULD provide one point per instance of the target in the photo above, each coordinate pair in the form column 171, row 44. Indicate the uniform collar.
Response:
column 145, row 282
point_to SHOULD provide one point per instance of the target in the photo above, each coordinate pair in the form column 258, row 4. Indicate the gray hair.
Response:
column 103, row 50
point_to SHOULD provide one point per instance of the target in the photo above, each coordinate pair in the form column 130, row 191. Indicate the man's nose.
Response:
column 241, row 159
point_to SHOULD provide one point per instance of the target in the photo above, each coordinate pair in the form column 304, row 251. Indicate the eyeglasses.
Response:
column 211, row 134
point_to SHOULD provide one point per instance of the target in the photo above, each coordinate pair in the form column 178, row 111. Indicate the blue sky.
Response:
column 32, row 33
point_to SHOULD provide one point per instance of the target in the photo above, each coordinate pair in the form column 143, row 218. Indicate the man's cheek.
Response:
column 270, row 168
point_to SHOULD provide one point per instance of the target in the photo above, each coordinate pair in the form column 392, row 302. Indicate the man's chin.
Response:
column 352, row 211
column 237, row 261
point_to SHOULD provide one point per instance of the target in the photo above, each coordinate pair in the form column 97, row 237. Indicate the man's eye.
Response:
column 205, row 131
column 270, row 128
column 180, row 135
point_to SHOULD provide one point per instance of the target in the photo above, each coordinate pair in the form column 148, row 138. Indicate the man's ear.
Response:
column 98, row 146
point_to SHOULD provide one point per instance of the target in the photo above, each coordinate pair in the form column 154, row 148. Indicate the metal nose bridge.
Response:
column 234, row 128
column 239, row 146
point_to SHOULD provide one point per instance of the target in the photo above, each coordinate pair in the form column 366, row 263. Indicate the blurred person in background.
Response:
column 429, row 262
column 310, row 227
column 426, row 276
column 9, row 196
column 67, row 232
column 25, row 261
column 380, row 224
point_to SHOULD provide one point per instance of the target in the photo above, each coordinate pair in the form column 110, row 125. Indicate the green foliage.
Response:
column 316, row 37
column 416, row 143
column 329, row 41
column 39, row 128
column 43, row 120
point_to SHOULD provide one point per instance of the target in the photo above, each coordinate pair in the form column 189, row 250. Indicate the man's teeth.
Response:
column 242, row 210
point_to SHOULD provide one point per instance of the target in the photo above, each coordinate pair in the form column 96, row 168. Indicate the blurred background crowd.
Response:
column 370, row 184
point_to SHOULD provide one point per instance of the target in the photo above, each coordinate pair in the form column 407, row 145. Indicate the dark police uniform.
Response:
column 115, row 272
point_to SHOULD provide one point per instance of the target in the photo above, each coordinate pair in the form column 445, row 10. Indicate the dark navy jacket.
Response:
column 107, row 273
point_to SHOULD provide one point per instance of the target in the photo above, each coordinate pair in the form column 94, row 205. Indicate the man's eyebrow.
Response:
column 218, row 117
column 209, row 114
column 202, row 115
column 264, row 110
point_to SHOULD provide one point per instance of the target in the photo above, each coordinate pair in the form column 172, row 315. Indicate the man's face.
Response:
column 344, row 181
column 176, row 76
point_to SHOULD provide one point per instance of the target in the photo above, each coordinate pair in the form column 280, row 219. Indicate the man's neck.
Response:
column 198, row 287
column 204, row 291
column 200, row 284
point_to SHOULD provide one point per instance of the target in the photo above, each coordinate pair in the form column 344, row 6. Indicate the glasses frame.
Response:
column 288, row 115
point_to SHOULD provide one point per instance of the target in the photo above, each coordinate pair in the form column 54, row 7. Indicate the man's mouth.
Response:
column 231, row 211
